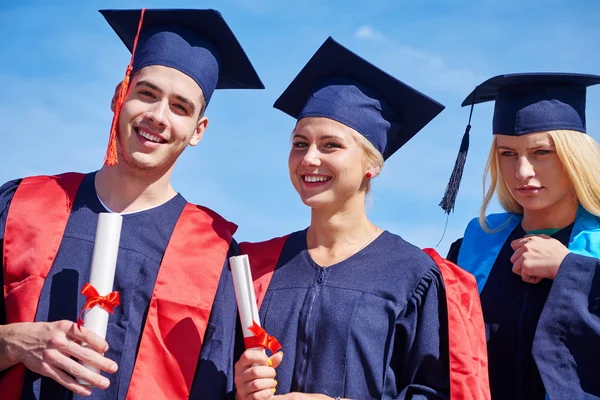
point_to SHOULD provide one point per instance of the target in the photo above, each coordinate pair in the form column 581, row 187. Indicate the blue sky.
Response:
column 60, row 64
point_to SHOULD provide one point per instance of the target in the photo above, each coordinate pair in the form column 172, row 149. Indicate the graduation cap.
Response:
column 525, row 103
column 198, row 43
column 338, row 84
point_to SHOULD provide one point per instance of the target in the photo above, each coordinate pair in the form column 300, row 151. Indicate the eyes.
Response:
column 302, row 144
column 179, row 108
column 146, row 93
column 537, row 152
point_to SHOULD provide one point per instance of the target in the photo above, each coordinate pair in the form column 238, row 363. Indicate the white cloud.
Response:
column 365, row 32
column 429, row 68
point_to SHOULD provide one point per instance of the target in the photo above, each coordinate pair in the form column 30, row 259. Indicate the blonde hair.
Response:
column 580, row 157
column 372, row 156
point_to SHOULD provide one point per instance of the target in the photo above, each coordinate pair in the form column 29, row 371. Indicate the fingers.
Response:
column 87, row 336
column 58, row 364
column 516, row 244
column 68, row 346
column 257, row 372
column 530, row 278
column 517, row 265
column 519, row 243
column 517, row 254
column 90, row 357
column 48, row 347
column 65, row 380
column 521, row 268
column 276, row 359
column 254, row 375
column 252, row 357
column 259, row 389
column 256, row 383
column 78, row 371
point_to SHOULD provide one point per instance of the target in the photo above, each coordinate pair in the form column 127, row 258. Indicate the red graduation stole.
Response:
column 263, row 257
column 174, row 329
column 468, row 352
column 469, row 378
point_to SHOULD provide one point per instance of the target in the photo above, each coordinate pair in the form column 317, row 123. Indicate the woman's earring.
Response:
column 368, row 175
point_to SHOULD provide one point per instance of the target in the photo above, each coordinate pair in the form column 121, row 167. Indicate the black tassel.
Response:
column 449, row 198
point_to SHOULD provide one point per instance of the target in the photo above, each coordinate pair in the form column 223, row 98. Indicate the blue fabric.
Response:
column 567, row 343
column 355, row 105
column 144, row 238
column 519, row 112
column 479, row 250
column 554, row 323
column 373, row 326
column 585, row 239
column 511, row 311
column 198, row 43
column 339, row 85
column 198, row 60
column 535, row 102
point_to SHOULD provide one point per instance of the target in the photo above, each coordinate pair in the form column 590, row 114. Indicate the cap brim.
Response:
column 488, row 90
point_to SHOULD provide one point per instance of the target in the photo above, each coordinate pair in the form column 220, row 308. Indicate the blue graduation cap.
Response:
column 198, row 43
column 525, row 103
column 338, row 84
column 535, row 102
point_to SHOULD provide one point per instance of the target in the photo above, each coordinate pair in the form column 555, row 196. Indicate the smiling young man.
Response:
column 163, row 340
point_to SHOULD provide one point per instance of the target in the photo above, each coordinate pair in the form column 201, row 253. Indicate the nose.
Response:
column 311, row 157
column 525, row 170
column 158, row 112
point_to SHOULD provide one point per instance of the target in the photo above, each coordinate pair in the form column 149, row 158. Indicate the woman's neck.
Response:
column 123, row 192
column 550, row 218
column 335, row 236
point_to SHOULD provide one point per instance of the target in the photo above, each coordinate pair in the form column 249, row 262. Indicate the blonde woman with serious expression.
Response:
column 537, row 265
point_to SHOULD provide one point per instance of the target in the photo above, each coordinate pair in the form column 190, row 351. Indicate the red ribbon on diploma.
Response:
column 108, row 302
column 261, row 339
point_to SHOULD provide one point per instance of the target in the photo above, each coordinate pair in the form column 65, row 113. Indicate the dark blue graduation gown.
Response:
column 144, row 238
column 373, row 326
column 558, row 321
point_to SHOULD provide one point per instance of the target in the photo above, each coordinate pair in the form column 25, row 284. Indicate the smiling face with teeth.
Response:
column 160, row 117
column 326, row 164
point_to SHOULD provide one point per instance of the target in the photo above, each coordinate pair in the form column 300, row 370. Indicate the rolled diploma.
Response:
column 102, row 275
column 244, row 293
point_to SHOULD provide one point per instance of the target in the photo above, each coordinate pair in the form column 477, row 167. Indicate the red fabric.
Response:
column 35, row 223
column 93, row 298
column 468, row 352
column 174, row 329
column 261, row 339
column 263, row 257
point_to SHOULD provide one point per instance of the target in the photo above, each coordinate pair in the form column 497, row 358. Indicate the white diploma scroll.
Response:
column 244, row 293
column 102, row 275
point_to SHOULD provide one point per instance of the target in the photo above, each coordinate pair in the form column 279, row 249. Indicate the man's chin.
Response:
column 143, row 163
